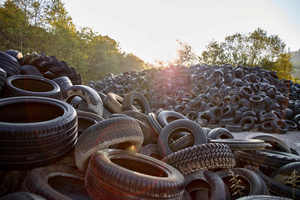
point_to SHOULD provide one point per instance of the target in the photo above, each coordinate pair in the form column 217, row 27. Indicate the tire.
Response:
column 86, row 119
column 182, row 142
column 248, row 123
column 199, row 157
column 266, row 158
column 56, row 182
column 219, row 133
column 165, row 117
column 234, row 127
column 30, row 70
column 2, row 80
column 110, row 177
column 217, row 186
column 252, row 183
column 105, row 134
column 151, row 150
column 180, row 125
column 64, row 83
column 16, row 54
column 89, row 95
column 35, row 124
column 263, row 197
column 288, row 172
column 22, row 196
column 113, row 103
column 277, row 144
column 280, row 189
column 242, row 144
column 9, row 64
column 131, row 98
column 150, row 137
column 154, row 123
column 30, row 85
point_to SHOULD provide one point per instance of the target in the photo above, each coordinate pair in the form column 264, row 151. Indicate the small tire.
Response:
column 133, row 97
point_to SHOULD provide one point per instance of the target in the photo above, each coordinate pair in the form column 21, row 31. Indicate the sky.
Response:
column 150, row 28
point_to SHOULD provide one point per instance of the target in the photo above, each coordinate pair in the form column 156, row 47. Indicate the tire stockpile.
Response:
column 60, row 140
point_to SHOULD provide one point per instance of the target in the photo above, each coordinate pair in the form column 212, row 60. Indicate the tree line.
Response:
column 44, row 26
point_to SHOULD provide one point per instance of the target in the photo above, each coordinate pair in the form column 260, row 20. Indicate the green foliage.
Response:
column 45, row 26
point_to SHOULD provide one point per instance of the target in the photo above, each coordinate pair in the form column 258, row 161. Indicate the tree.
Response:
column 185, row 54
column 252, row 49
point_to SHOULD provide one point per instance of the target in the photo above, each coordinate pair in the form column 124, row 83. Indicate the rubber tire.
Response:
column 263, row 197
column 113, row 102
column 219, row 133
column 199, row 157
column 22, row 196
column 266, row 158
column 89, row 95
column 129, row 99
column 257, row 186
column 154, row 123
column 37, row 179
column 105, row 134
column 48, row 89
column 51, row 136
column 242, row 144
column 281, row 145
column 196, row 131
column 286, row 170
column 151, row 150
column 86, row 119
column 30, row 70
column 217, row 186
column 64, row 83
column 165, row 117
column 109, row 180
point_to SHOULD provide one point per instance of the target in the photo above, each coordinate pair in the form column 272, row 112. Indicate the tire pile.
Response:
column 60, row 140
column 236, row 98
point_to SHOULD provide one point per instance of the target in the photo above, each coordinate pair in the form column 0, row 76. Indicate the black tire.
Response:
column 203, row 156
column 242, row 144
column 263, row 197
column 154, row 123
column 219, row 133
column 248, row 123
column 22, row 196
column 31, row 85
column 116, row 174
column 276, row 144
column 15, row 53
column 243, row 180
column 35, row 131
column 89, row 95
column 186, row 139
column 64, row 83
column 278, row 188
column 266, row 158
column 217, row 186
column 2, row 80
column 150, row 136
column 30, row 70
column 9, row 64
column 165, row 117
column 288, row 174
column 86, row 119
column 131, row 98
column 151, row 150
column 180, row 125
column 56, row 182
column 113, row 103
column 114, row 131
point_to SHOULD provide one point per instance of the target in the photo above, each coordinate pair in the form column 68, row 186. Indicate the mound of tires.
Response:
column 60, row 140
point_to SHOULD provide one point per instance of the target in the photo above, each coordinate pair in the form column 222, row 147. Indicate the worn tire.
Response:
column 64, row 83
column 199, row 157
column 116, row 174
column 165, row 117
column 31, row 85
column 113, row 102
column 219, row 133
column 114, row 131
column 276, row 143
column 22, row 196
column 86, row 119
column 181, row 124
column 35, row 131
column 89, row 95
column 131, row 98
column 242, row 144
column 39, row 181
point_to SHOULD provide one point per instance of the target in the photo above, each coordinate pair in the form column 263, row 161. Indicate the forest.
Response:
column 44, row 26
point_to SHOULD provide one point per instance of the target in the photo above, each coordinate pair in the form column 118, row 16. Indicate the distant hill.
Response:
column 295, row 60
